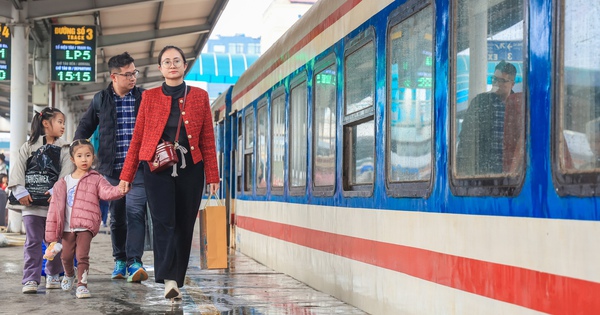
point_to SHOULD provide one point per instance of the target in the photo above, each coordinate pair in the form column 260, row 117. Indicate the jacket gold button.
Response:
column 192, row 148
column 189, row 136
column 180, row 101
column 182, row 113
column 187, row 122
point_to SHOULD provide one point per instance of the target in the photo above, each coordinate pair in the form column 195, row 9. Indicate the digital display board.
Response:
column 4, row 52
column 73, row 53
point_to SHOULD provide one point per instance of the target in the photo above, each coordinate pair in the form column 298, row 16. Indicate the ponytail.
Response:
column 37, row 126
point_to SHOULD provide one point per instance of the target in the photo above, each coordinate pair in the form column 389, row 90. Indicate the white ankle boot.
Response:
column 171, row 290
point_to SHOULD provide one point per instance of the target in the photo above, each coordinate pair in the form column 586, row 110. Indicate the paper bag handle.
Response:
column 217, row 199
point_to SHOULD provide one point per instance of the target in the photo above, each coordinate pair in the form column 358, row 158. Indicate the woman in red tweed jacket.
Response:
column 174, row 194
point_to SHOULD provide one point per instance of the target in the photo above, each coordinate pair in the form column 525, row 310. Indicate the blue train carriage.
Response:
column 425, row 157
column 226, row 150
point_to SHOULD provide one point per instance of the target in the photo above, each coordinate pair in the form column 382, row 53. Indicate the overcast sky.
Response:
column 241, row 17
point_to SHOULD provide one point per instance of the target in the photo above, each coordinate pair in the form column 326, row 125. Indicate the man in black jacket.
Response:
column 114, row 111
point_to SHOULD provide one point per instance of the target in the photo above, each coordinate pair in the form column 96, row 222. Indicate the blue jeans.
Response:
column 128, row 221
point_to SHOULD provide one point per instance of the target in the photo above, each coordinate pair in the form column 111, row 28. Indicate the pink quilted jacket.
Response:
column 86, row 209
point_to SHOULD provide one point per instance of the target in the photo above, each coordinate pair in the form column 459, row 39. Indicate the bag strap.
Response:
column 216, row 198
column 181, row 109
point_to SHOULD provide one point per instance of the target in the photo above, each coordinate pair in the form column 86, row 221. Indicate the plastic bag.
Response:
column 42, row 171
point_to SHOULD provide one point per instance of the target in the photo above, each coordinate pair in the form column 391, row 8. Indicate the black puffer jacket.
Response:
column 102, row 112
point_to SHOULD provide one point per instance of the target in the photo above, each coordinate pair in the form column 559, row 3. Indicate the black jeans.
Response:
column 128, row 221
column 174, row 204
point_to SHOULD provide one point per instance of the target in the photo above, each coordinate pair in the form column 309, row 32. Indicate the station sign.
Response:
column 5, row 47
column 507, row 50
column 73, row 53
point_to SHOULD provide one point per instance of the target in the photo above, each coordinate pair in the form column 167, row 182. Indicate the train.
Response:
column 423, row 156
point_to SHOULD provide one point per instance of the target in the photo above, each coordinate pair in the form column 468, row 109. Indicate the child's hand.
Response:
column 124, row 186
column 48, row 193
column 52, row 250
column 26, row 201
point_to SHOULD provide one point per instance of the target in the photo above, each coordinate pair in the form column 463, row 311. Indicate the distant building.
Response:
column 238, row 44
column 222, row 62
column 279, row 17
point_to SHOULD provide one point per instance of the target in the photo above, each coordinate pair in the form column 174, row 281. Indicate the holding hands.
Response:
column 124, row 186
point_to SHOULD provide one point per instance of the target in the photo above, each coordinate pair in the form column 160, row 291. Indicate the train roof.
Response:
column 324, row 24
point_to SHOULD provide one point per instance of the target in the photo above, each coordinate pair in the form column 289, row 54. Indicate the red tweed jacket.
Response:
column 151, row 121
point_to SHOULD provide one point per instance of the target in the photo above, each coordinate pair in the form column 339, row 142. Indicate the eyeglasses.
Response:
column 129, row 75
column 499, row 80
column 168, row 63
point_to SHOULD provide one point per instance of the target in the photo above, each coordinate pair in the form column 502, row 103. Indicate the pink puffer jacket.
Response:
column 86, row 209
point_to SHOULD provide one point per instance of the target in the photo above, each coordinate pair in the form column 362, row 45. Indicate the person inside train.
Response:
column 481, row 142
column 113, row 111
column 173, row 112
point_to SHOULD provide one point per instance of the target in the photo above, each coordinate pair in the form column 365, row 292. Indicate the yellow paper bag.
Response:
column 213, row 236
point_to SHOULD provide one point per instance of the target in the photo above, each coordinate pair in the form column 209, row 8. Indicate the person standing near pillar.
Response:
column 114, row 111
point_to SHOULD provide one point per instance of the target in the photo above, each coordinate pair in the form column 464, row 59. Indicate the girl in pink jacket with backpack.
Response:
column 74, row 215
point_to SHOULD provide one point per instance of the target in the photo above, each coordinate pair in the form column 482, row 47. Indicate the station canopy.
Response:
column 140, row 27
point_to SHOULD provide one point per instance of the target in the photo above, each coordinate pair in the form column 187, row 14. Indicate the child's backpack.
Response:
column 41, row 172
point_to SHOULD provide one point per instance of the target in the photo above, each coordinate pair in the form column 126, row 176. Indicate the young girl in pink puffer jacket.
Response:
column 74, row 214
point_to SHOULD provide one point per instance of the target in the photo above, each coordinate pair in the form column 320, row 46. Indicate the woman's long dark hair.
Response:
column 37, row 126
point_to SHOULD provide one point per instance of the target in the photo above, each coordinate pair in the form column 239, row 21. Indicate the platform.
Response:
column 247, row 287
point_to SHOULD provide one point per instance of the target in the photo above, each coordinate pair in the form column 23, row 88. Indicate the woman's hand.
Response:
column 214, row 188
column 26, row 201
column 124, row 186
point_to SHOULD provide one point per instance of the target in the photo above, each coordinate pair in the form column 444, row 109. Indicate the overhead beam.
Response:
column 144, row 36
column 82, row 89
column 7, row 95
column 54, row 8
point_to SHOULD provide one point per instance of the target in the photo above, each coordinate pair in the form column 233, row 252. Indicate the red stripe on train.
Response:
column 532, row 289
column 330, row 20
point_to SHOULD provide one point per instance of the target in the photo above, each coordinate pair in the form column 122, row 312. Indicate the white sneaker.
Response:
column 52, row 282
column 30, row 287
column 82, row 292
column 67, row 283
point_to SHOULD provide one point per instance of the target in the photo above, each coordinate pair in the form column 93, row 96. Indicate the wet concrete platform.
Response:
column 247, row 287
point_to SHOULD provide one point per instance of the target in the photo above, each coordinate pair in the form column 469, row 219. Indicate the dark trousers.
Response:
column 128, row 221
column 174, row 204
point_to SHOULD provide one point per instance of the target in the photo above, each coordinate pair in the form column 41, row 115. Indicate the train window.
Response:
column 248, row 151
column 488, row 125
column 359, row 126
column 298, row 136
column 324, row 126
column 577, row 122
column 261, row 148
column 278, row 141
column 410, row 97
column 239, row 156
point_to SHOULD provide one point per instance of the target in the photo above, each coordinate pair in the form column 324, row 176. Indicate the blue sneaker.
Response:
column 137, row 273
column 120, row 271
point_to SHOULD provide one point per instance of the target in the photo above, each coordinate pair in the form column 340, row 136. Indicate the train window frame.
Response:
column 279, row 92
column 422, row 188
column 321, row 65
column 262, row 104
column 508, row 185
column 575, row 183
column 358, row 117
column 239, row 152
column 248, row 162
column 298, row 80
